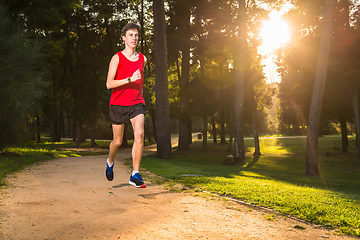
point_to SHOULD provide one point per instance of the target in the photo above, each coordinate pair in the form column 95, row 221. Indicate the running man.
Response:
column 127, row 104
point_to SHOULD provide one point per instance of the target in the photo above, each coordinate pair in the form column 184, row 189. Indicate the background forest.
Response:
column 55, row 55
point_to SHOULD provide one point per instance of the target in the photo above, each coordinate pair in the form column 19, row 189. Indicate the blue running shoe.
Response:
column 109, row 172
column 137, row 181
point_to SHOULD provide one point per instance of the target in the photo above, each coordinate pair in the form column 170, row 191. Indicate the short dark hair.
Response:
column 129, row 26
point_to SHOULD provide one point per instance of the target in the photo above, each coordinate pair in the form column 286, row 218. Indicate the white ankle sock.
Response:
column 110, row 164
column 134, row 172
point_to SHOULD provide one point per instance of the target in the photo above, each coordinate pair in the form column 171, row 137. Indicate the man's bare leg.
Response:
column 138, row 146
column 118, row 132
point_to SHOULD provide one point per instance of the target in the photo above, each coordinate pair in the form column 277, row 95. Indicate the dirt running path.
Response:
column 69, row 198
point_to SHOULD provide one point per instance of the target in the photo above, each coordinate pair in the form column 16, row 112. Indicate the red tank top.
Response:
column 131, row 93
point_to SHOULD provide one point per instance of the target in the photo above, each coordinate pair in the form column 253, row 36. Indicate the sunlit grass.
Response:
column 13, row 159
column 272, row 150
column 52, row 143
column 36, row 152
column 276, row 179
column 47, row 144
column 71, row 144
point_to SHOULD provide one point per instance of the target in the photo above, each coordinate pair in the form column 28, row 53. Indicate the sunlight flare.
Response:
column 274, row 33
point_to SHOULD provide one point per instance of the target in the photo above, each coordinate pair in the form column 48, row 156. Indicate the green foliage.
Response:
column 275, row 179
column 21, row 65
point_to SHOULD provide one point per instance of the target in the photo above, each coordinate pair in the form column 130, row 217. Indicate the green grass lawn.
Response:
column 17, row 158
column 276, row 179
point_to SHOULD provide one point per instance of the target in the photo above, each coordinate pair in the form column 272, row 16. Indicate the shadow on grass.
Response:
column 338, row 171
column 282, row 160
column 275, row 179
column 254, row 161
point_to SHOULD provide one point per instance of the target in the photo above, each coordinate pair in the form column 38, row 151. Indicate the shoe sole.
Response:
column 142, row 186
column 107, row 177
column 106, row 171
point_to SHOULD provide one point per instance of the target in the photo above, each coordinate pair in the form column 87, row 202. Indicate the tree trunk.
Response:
column 61, row 124
column 189, row 127
column 141, row 20
column 69, row 124
column 239, row 154
column 74, row 130
column 222, row 124
column 93, row 128
column 214, row 129
column 344, row 139
column 229, row 149
column 78, row 133
column 147, row 129
column 153, row 121
column 178, row 70
column 38, row 129
column 77, row 89
column 185, row 118
column 94, row 113
column 56, row 135
column 204, row 133
column 142, row 44
column 79, row 120
column 32, row 131
column 312, row 165
column 161, row 83
column 255, row 132
column 355, row 105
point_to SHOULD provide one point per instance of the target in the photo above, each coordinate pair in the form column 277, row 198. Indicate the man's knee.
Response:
column 117, row 142
column 139, row 134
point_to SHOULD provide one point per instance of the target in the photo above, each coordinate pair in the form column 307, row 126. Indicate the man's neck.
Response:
column 129, row 51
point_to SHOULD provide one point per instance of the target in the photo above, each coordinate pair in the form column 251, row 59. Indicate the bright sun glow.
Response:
column 274, row 33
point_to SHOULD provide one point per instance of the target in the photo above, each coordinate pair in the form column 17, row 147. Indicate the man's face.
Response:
column 131, row 38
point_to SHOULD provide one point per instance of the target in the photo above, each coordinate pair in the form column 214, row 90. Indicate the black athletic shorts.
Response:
column 122, row 114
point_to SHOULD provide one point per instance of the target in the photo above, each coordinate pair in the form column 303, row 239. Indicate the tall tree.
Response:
column 312, row 167
column 239, row 154
column 163, row 137
column 185, row 117
column 355, row 105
